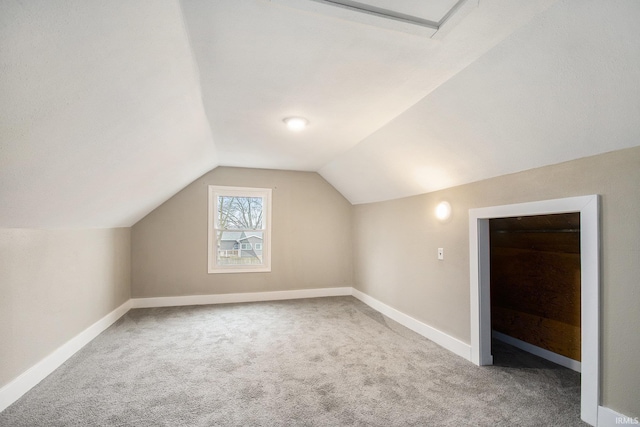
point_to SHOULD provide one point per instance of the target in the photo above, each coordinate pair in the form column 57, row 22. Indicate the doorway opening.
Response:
column 588, row 207
column 535, row 285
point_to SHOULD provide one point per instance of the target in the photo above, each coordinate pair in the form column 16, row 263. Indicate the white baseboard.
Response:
column 538, row 351
column 28, row 379
column 239, row 297
column 610, row 418
column 442, row 339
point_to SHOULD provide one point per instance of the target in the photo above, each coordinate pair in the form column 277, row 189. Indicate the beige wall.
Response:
column 311, row 238
column 395, row 260
column 53, row 285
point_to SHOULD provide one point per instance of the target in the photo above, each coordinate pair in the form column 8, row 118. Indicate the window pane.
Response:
column 239, row 247
column 239, row 227
column 244, row 213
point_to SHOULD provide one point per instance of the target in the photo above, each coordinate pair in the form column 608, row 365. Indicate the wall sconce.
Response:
column 443, row 211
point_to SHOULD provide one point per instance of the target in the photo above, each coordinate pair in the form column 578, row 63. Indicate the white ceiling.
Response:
column 110, row 108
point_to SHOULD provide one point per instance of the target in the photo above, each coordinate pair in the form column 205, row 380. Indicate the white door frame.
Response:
column 479, row 257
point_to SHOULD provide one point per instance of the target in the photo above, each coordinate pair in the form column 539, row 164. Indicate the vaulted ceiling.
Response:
column 107, row 109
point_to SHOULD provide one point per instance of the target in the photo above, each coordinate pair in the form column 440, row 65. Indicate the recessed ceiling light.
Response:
column 296, row 124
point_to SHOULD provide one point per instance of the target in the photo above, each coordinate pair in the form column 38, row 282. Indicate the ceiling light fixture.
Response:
column 296, row 124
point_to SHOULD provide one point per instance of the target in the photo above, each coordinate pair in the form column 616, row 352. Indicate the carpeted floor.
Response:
column 313, row 362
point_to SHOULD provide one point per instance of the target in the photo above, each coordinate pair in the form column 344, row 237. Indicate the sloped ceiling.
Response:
column 101, row 116
column 565, row 86
column 110, row 108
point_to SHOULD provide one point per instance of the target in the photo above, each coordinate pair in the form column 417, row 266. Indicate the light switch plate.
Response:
column 441, row 253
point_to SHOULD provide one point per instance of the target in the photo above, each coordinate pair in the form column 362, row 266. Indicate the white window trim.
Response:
column 258, row 246
column 245, row 246
column 214, row 192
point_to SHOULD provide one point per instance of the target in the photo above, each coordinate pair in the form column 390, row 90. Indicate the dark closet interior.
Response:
column 535, row 280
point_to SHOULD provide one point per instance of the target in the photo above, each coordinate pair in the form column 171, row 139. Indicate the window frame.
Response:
column 214, row 192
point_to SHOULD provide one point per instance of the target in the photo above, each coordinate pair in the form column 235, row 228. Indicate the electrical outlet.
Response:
column 441, row 253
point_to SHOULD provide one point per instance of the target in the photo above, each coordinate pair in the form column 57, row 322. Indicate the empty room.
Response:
column 319, row 213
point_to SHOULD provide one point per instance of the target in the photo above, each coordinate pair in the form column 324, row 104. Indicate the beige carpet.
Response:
column 313, row 362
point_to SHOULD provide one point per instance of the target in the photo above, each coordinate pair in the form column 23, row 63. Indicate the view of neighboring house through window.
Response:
column 239, row 229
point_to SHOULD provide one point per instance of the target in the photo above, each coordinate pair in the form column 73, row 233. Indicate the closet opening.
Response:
column 588, row 209
column 535, row 286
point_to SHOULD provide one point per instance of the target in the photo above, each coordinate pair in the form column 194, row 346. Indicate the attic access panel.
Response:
column 432, row 10
column 412, row 16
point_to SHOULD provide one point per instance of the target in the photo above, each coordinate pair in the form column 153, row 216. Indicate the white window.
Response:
column 237, row 217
